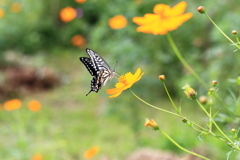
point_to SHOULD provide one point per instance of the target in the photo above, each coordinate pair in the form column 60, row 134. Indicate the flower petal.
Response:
column 175, row 22
column 118, row 88
column 115, row 95
column 161, row 9
column 178, row 9
column 147, row 18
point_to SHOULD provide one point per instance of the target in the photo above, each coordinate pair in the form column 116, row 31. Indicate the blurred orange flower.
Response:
column 124, row 82
column 15, row 7
column 79, row 41
column 80, row 1
column 34, row 105
column 117, row 22
column 37, row 156
column 138, row 1
column 12, row 104
column 91, row 152
column 68, row 14
column 1, row 13
column 163, row 20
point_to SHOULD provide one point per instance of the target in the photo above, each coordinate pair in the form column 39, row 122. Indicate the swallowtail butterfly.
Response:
column 98, row 68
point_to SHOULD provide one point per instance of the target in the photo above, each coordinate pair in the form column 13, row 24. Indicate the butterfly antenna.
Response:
column 115, row 65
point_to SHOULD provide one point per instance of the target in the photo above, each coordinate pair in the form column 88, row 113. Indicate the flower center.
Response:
column 122, row 79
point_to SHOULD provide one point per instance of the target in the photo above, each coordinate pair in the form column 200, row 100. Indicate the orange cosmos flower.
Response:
column 91, row 152
column 124, row 82
column 12, row 104
column 15, row 7
column 1, row 13
column 80, row 1
column 34, row 105
column 151, row 123
column 79, row 41
column 37, row 156
column 163, row 20
column 68, row 14
column 117, row 22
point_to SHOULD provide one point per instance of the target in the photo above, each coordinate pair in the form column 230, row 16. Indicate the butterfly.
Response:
column 98, row 68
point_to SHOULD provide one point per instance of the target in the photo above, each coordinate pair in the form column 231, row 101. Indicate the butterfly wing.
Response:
column 95, row 84
column 98, row 62
column 88, row 64
column 98, row 68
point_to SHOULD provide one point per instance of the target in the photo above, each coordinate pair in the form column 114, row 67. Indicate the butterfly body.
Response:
column 98, row 68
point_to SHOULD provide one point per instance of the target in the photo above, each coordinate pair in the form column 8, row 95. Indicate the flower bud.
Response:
column 203, row 99
column 214, row 83
column 211, row 91
column 190, row 93
column 201, row 9
column 238, row 80
column 184, row 120
column 233, row 130
column 151, row 123
column 234, row 32
column 161, row 78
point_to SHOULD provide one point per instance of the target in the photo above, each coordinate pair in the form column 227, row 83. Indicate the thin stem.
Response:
column 178, row 115
column 236, row 147
column 222, row 31
column 164, row 85
column 210, row 113
column 154, row 106
column 175, row 143
column 186, row 65
column 237, row 38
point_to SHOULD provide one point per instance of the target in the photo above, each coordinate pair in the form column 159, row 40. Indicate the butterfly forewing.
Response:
column 98, row 61
column 88, row 64
column 98, row 68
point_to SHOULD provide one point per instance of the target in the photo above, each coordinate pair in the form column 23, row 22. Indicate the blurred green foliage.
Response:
column 38, row 27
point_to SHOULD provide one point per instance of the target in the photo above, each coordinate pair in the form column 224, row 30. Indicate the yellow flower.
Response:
column 80, row 1
column 37, row 156
column 34, row 105
column 68, row 14
column 163, row 20
column 12, row 104
column 151, row 123
column 15, row 7
column 117, row 22
column 125, row 82
column 91, row 152
column 78, row 41
column 190, row 93
column 1, row 13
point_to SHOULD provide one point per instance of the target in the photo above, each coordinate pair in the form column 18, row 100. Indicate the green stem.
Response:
column 221, row 31
column 185, row 150
column 210, row 113
column 186, row 65
column 164, row 85
column 178, row 115
column 154, row 106
column 229, row 140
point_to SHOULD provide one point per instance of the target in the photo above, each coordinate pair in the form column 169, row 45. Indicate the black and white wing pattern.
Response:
column 88, row 64
column 98, row 68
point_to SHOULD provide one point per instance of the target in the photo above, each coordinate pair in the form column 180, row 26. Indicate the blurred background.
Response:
column 40, row 46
